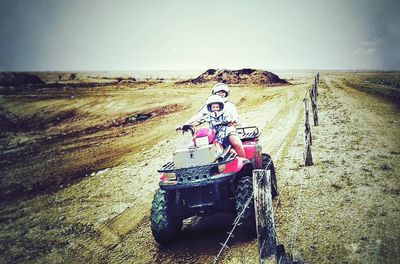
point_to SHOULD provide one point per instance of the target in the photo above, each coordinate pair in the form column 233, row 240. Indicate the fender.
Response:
column 235, row 165
column 249, row 149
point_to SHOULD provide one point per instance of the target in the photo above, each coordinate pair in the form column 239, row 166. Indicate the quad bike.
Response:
column 202, row 181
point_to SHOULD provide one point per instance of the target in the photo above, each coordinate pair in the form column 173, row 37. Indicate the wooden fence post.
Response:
column 308, row 161
column 264, row 216
column 315, row 88
column 314, row 107
column 313, row 92
column 307, row 128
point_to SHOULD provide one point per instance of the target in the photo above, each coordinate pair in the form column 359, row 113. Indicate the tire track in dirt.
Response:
column 283, row 127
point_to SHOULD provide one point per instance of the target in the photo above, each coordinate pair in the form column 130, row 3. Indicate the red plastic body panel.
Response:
column 249, row 149
column 235, row 165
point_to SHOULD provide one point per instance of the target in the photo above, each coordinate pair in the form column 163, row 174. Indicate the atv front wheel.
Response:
column 163, row 226
column 268, row 164
column 245, row 208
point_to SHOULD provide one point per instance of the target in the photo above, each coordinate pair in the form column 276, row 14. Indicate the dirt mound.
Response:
column 11, row 78
column 243, row 76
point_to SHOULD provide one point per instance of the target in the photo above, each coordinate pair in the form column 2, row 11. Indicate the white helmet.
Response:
column 220, row 87
column 215, row 99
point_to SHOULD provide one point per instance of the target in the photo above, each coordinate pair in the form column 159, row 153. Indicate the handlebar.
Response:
column 222, row 123
column 187, row 128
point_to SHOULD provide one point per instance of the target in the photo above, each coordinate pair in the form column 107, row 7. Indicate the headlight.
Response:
column 170, row 176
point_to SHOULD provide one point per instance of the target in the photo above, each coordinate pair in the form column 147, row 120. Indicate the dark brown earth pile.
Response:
column 11, row 78
column 243, row 76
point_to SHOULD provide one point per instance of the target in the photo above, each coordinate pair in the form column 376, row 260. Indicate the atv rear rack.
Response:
column 247, row 133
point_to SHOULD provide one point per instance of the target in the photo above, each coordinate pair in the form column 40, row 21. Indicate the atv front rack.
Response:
column 248, row 133
column 170, row 166
column 197, row 175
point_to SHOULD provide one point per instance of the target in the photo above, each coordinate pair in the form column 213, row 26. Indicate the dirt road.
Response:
column 344, row 209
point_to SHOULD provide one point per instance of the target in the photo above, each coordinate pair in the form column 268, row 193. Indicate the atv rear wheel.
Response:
column 268, row 164
column 245, row 208
column 163, row 226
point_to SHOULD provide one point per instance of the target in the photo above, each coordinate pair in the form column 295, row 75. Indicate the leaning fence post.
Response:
column 264, row 216
column 307, row 136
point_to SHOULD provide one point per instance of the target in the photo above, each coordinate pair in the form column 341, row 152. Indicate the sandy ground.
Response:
column 344, row 209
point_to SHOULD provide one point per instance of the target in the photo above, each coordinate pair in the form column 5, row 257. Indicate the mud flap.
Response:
column 258, row 164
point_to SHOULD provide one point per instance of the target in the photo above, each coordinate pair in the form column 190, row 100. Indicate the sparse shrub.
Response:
column 385, row 167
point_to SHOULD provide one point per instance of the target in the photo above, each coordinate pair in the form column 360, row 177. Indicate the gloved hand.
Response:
column 185, row 128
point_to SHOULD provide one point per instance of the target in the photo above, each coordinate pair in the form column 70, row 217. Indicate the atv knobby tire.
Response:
column 163, row 226
column 268, row 164
column 247, row 222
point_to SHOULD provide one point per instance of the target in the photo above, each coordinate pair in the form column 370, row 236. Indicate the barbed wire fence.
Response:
column 277, row 253
column 235, row 223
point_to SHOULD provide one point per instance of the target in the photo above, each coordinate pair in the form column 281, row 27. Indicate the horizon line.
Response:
column 159, row 70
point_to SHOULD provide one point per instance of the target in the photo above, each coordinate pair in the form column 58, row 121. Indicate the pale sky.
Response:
column 126, row 35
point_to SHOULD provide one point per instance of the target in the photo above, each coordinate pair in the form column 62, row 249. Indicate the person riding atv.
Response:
column 218, row 121
column 230, row 111
column 205, row 178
